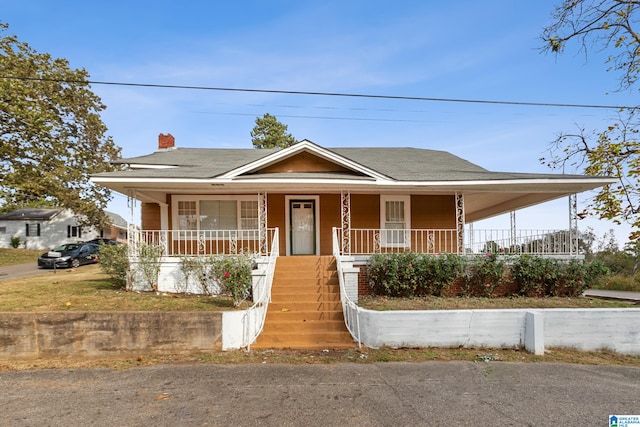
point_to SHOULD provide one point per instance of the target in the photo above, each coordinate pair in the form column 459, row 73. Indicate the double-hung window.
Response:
column 395, row 220
column 32, row 229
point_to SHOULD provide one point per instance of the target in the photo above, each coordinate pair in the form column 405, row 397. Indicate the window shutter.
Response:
column 27, row 230
column 79, row 232
column 68, row 231
column 38, row 229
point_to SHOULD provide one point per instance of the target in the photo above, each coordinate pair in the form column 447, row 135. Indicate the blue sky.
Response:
column 465, row 50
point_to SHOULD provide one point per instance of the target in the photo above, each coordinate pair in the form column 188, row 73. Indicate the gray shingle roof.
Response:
column 400, row 164
column 31, row 214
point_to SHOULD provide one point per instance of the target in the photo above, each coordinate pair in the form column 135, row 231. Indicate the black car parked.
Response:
column 69, row 255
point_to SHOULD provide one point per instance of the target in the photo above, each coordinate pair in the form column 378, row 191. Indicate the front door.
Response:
column 303, row 227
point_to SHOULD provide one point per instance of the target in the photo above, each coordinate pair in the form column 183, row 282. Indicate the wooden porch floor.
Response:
column 305, row 310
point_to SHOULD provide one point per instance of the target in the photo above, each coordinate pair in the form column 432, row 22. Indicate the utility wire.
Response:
column 331, row 94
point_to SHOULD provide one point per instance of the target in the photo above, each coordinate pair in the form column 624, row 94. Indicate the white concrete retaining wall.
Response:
column 593, row 329
column 233, row 329
column 584, row 329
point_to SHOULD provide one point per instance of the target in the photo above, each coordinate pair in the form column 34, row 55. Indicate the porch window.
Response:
column 216, row 213
column 249, row 214
column 395, row 219
column 187, row 215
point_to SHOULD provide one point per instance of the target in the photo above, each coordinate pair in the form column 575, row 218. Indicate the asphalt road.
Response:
column 383, row 394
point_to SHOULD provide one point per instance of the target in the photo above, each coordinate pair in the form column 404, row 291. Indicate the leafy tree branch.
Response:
column 52, row 138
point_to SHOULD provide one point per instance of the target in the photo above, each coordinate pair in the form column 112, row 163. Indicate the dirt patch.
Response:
column 364, row 355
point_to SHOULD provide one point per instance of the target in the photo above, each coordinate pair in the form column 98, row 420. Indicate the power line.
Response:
column 328, row 94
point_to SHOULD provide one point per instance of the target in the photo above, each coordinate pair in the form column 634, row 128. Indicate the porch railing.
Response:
column 350, row 309
column 255, row 316
column 206, row 242
column 434, row 241
column 534, row 242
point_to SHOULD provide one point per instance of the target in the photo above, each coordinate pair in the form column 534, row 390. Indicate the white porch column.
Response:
column 164, row 216
column 512, row 220
column 573, row 224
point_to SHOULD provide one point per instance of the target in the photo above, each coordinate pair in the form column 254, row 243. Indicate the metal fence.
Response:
column 204, row 242
column 435, row 241
column 255, row 316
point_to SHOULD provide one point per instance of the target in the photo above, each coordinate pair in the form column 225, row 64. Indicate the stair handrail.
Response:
column 254, row 317
column 350, row 310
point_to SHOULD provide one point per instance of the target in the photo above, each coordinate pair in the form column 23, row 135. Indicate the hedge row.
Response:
column 410, row 274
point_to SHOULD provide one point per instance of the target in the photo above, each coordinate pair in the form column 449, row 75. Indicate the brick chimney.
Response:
column 166, row 142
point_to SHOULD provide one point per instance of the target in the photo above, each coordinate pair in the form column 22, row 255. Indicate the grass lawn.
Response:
column 18, row 256
column 88, row 289
column 467, row 303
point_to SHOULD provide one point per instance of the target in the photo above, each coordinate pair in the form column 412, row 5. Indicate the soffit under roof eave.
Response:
column 519, row 201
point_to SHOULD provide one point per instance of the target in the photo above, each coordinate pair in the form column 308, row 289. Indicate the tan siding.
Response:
column 365, row 211
column 304, row 162
column 329, row 217
column 150, row 214
column 433, row 212
column 276, row 218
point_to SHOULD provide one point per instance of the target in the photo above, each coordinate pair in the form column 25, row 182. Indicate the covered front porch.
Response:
column 362, row 224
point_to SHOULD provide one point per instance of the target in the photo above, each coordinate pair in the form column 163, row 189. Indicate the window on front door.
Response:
column 302, row 227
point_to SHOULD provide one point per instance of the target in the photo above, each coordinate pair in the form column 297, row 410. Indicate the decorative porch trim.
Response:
column 262, row 221
column 345, row 203
column 460, row 222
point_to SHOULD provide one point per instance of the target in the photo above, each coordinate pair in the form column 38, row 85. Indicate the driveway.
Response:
column 22, row 270
column 381, row 394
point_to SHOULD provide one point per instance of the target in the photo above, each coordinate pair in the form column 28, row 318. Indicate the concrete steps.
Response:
column 305, row 310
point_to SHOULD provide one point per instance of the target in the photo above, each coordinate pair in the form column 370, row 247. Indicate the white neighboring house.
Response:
column 48, row 228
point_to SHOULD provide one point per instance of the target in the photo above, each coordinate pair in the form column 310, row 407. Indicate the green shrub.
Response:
column 436, row 273
column 393, row 274
column 231, row 274
column 538, row 276
column 484, row 274
column 114, row 261
column 148, row 264
column 196, row 269
column 535, row 276
column 15, row 242
column 408, row 274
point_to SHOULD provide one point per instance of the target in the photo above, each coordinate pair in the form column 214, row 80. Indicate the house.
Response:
column 379, row 199
column 48, row 228
column 322, row 211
